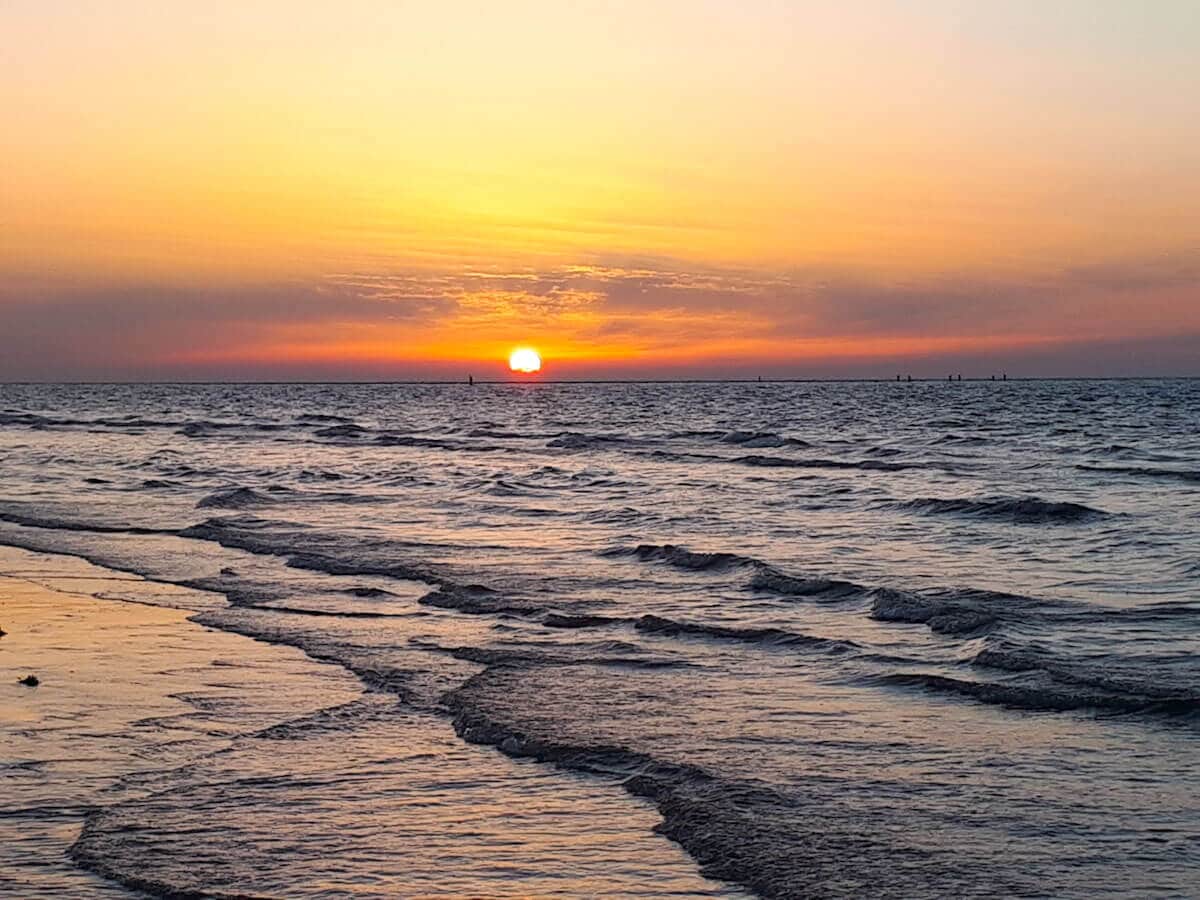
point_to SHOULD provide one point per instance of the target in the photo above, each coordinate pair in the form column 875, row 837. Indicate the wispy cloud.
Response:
column 603, row 313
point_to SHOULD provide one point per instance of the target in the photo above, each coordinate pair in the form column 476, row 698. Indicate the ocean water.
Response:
column 789, row 639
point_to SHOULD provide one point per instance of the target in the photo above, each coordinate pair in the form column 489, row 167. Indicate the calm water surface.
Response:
column 908, row 640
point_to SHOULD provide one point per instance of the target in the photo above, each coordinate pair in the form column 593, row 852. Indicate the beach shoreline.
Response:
column 125, row 689
column 141, row 713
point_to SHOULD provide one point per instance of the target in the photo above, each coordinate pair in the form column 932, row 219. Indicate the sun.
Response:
column 525, row 360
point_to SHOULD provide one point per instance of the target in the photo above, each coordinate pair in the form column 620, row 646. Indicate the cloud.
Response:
column 618, row 313
column 1179, row 270
column 65, row 330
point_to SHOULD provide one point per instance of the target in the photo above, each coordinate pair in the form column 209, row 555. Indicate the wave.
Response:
column 963, row 440
column 370, row 593
column 1155, row 611
column 770, row 636
column 761, row 440
column 624, row 515
column 186, row 427
column 1189, row 475
column 560, row 620
column 1150, row 678
column 1124, row 451
column 765, row 578
column 322, row 613
column 499, row 434
column 91, row 853
column 475, row 599
column 945, row 612
column 500, row 487
column 18, row 418
column 1048, row 697
column 55, row 523
column 682, row 558
column 696, row 826
column 574, row 440
column 333, row 565
column 235, row 498
column 322, row 418
column 407, row 440
column 349, row 431
column 743, row 438
column 308, row 475
column 251, row 498
column 204, row 427
column 1015, row 509
column 780, row 462
column 346, row 429
column 328, row 552
column 35, row 420
column 364, row 437
column 610, row 653
column 768, row 578
column 780, row 841
column 670, row 456
column 337, row 719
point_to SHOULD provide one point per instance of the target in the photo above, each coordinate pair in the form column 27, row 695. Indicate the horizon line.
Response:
column 534, row 381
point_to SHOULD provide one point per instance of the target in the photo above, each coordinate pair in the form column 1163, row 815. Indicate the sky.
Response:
column 379, row 189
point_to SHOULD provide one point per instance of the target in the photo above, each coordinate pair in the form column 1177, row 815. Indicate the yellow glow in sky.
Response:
column 762, row 180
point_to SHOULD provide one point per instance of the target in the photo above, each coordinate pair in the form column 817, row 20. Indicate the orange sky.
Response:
column 385, row 189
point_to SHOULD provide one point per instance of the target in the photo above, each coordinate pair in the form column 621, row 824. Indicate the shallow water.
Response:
column 901, row 639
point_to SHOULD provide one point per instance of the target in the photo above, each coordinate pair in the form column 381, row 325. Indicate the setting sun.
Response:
column 525, row 360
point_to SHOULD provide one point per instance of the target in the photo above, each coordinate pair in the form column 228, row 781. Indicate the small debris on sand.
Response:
column 30, row 681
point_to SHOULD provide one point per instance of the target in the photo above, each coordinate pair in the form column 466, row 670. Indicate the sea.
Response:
column 780, row 639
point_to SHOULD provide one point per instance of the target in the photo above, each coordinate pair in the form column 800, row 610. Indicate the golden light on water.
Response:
column 525, row 360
